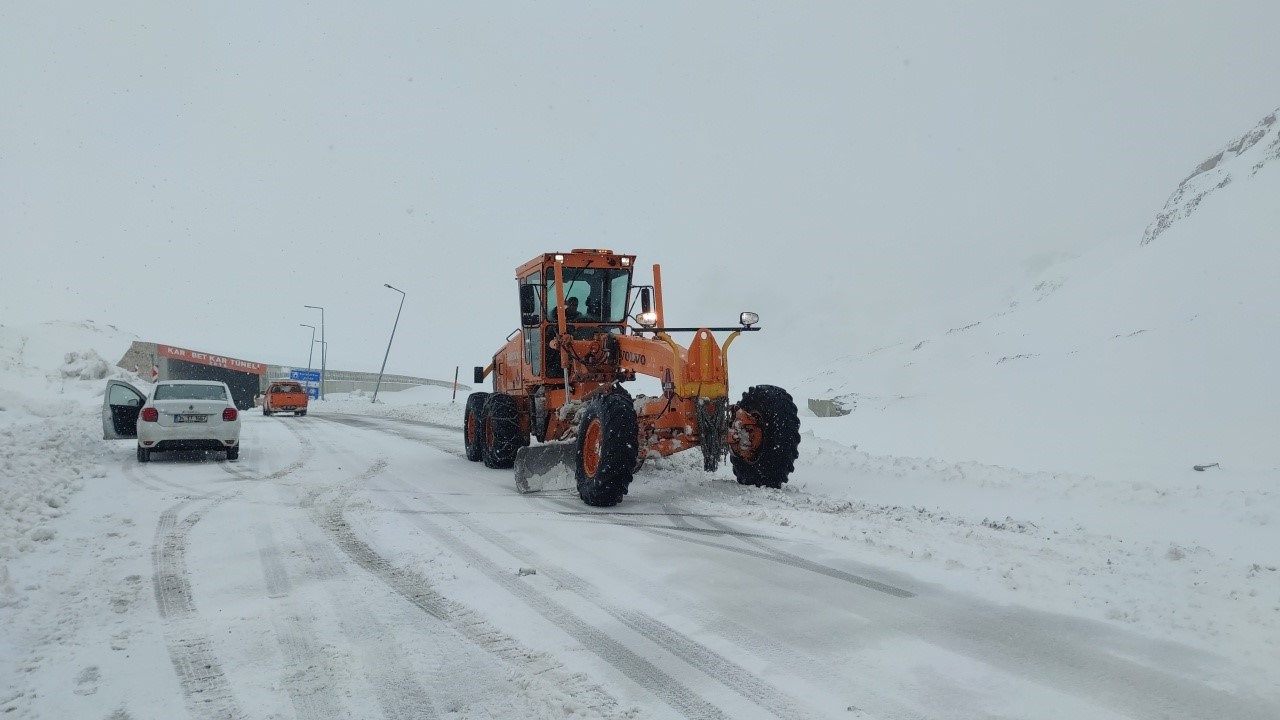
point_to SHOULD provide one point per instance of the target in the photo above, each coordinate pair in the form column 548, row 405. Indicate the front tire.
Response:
column 473, row 425
column 608, row 442
column 144, row 454
column 774, row 428
column 502, row 431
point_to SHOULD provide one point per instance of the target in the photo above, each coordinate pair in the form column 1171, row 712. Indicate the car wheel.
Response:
column 144, row 454
column 233, row 453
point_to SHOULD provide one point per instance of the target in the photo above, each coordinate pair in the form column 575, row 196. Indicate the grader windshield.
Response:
column 592, row 295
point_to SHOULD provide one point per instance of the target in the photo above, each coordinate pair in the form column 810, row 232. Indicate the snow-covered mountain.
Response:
column 1240, row 159
column 1130, row 361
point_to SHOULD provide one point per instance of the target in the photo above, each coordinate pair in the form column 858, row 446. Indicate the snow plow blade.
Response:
column 546, row 467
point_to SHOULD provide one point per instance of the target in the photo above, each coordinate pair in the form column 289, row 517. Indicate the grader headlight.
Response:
column 747, row 319
column 647, row 319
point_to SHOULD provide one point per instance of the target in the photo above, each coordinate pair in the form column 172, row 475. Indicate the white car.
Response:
column 178, row 415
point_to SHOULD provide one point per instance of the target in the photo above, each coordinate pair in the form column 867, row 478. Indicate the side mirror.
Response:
column 646, row 300
column 528, row 304
column 479, row 375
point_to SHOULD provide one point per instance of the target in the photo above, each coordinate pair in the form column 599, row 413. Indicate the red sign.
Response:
column 218, row 361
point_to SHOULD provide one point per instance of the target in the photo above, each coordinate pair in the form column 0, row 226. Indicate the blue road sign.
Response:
column 305, row 375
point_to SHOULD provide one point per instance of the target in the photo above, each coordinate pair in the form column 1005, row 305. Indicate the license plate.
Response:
column 190, row 418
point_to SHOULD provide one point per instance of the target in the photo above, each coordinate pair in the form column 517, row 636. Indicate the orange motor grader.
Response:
column 558, row 380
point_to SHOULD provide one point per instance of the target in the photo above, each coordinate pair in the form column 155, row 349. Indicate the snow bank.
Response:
column 51, row 383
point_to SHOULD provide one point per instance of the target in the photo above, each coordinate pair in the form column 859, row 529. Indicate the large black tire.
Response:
column 266, row 412
column 608, row 441
column 473, row 425
column 775, row 414
column 144, row 454
column 502, row 431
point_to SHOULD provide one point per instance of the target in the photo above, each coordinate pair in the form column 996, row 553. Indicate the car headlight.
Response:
column 748, row 319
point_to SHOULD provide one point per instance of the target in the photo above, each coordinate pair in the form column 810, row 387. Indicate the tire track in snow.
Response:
column 622, row 658
column 1070, row 660
column 612, row 651
column 306, row 453
column 541, row 675
column 387, row 427
column 384, row 663
column 307, row 675
column 803, row 666
column 135, row 471
column 204, row 685
column 784, row 558
column 685, row 532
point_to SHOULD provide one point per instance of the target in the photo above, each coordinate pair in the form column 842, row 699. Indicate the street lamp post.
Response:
column 393, row 337
column 323, row 347
column 324, row 351
column 311, row 348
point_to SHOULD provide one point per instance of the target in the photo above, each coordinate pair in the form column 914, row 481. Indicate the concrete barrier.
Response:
column 828, row 408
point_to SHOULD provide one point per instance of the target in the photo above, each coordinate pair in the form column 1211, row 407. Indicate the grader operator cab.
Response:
column 558, row 380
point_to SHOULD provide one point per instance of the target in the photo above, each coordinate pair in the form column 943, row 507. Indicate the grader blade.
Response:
column 546, row 467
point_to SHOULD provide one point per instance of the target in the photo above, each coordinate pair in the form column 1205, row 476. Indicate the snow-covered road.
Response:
column 356, row 566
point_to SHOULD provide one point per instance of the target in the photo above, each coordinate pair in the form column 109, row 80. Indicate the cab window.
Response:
column 601, row 293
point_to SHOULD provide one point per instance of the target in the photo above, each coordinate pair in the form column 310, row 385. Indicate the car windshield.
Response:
column 190, row 392
column 288, row 388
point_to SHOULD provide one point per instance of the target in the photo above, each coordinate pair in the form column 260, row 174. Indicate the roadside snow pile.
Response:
column 428, row 403
column 50, row 431
column 44, row 462
column 87, row 365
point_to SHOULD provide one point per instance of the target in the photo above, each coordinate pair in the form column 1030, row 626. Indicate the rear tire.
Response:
column 300, row 413
column 473, row 425
column 266, row 412
column 771, row 463
column 502, row 431
column 233, row 453
column 144, row 454
column 607, row 447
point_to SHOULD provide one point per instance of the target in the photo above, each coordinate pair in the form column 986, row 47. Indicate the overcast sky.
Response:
column 196, row 173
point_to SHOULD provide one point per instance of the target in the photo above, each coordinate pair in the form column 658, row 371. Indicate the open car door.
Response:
column 121, row 404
